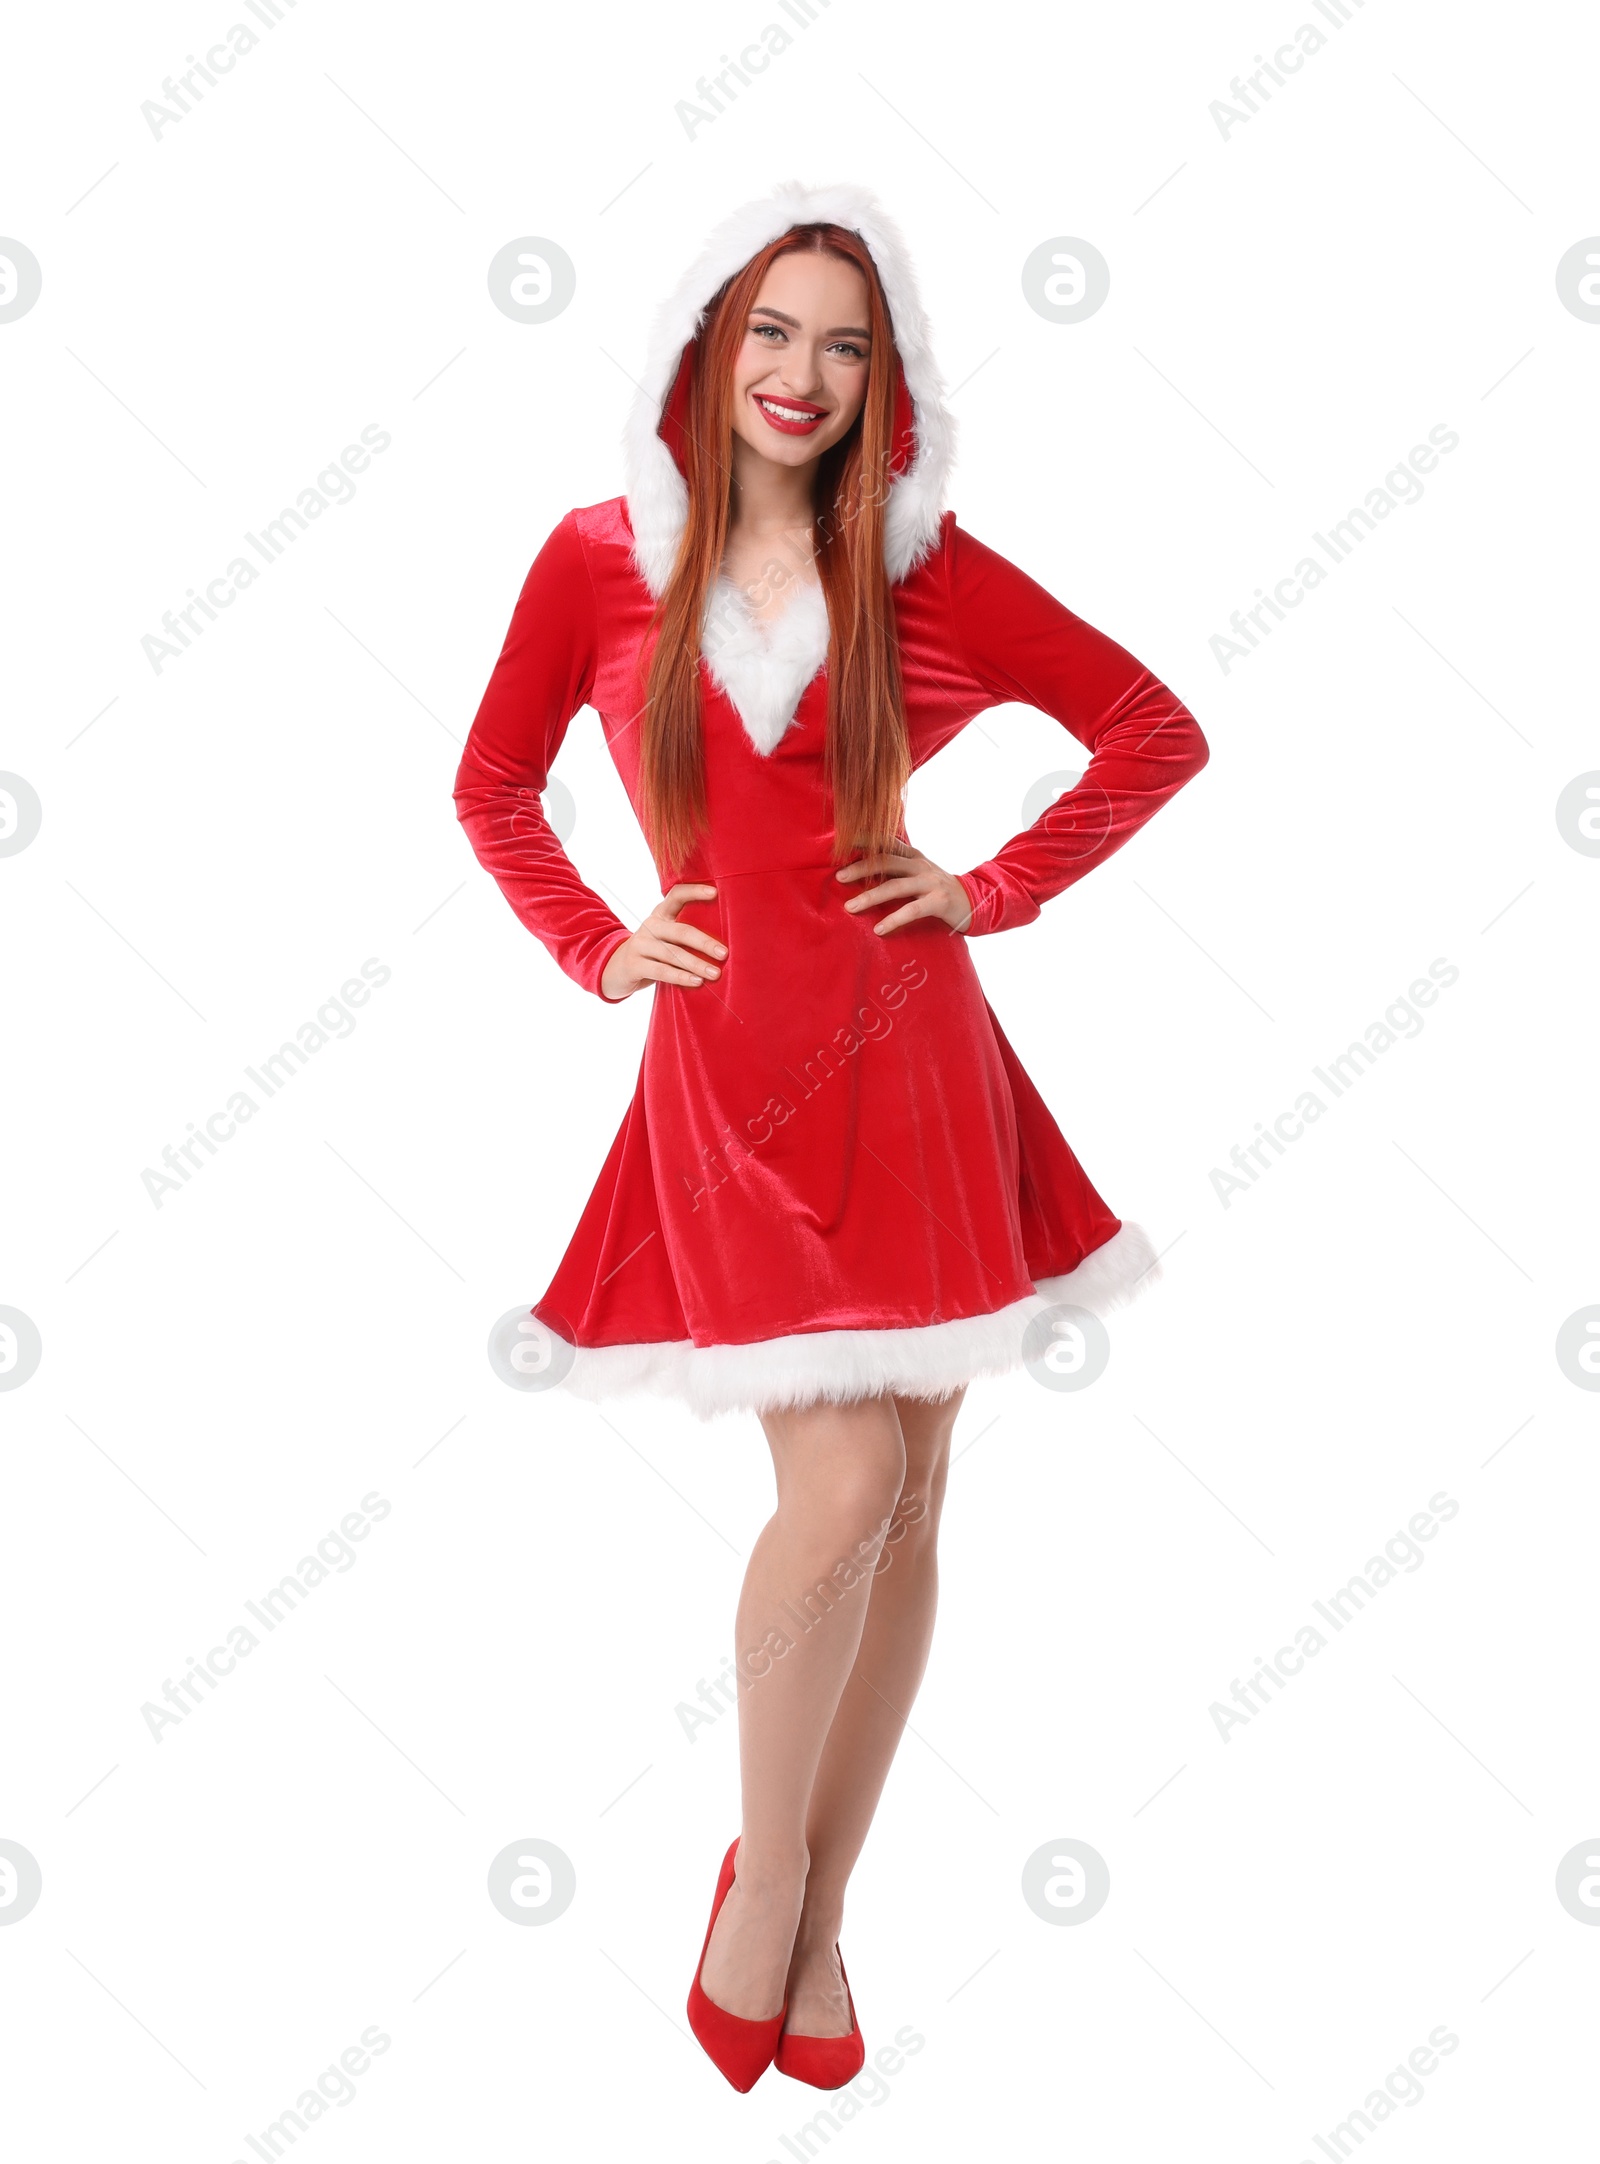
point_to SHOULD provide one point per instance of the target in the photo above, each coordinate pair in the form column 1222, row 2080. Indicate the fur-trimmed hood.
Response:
column 657, row 498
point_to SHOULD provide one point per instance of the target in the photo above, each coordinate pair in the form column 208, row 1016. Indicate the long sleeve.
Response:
column 545, row 673
column 1022, row 645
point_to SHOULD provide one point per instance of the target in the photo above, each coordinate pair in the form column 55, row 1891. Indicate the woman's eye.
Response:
column 855, row 352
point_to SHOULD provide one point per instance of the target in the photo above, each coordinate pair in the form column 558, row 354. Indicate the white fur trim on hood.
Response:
column 842, row 1365
column 756, row 673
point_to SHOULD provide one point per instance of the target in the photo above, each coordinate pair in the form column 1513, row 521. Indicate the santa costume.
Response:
column 835, row 1178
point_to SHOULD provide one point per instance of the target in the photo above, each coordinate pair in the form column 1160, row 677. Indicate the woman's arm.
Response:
column 1022, row 645
column 544, row 675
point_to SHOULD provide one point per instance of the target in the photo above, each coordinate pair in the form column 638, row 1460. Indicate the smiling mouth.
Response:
column 796, row 418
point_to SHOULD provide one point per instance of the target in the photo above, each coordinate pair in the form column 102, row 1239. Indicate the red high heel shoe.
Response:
column 827, row 2062
column 740, row 2049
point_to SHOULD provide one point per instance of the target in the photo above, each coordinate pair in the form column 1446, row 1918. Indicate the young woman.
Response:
column 836, row 1196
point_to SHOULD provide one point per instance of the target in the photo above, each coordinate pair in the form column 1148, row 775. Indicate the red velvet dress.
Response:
column 834, row 1177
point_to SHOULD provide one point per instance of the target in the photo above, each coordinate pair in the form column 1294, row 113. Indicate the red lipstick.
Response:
column 790, row 416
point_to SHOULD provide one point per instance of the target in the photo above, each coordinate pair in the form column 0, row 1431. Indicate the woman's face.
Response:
column 800, row 376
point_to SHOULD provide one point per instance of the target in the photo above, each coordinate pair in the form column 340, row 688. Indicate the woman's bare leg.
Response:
column 840, row 1470
column 866, row 1729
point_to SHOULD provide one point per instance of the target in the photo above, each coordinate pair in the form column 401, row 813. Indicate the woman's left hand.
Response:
column 913, row 880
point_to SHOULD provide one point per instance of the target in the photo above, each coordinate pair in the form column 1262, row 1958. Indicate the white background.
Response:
column 1292, row 307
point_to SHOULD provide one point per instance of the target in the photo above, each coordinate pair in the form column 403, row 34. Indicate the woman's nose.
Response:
column 801, row 372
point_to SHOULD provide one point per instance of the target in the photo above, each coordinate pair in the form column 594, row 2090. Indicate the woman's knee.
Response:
column 927, row 1427
column 844, row 1464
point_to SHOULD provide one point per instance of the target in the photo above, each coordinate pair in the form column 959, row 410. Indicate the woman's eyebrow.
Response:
column 840, row 330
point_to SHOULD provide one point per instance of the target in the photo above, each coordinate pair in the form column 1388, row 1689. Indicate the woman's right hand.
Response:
column 663, row 951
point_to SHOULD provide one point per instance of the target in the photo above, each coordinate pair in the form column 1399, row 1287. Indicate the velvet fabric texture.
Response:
column 835, row 1136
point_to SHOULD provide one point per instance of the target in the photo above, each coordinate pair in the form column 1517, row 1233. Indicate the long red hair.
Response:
column 868, row 759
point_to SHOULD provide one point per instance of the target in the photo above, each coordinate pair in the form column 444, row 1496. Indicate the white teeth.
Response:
column 786, row 413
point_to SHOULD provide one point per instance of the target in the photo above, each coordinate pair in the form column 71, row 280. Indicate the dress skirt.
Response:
column 834, row 1178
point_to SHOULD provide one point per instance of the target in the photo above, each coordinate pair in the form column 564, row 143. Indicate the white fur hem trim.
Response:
column 841, row 1365
column 658, row 502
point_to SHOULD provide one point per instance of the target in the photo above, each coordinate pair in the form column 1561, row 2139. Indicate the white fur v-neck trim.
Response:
column 764, row 665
